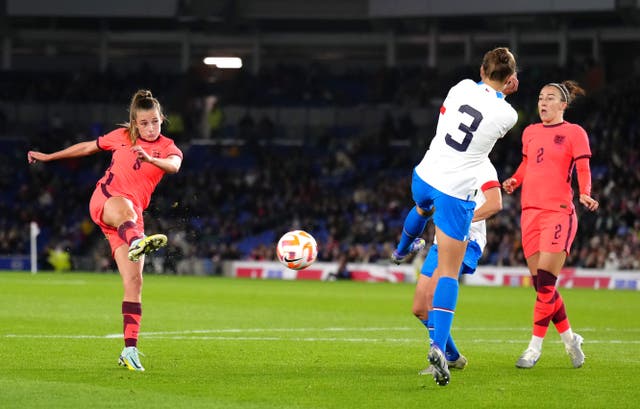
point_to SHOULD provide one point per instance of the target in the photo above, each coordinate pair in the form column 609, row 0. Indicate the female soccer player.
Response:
column 550, row 151
column 140, row 157
column 472, row 118
column 488, row 203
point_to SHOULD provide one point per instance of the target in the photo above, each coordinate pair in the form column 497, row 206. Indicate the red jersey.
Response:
column 128, row 176
column 551, row 152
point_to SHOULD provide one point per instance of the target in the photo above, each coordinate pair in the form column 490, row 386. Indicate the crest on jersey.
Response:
column 559, row 139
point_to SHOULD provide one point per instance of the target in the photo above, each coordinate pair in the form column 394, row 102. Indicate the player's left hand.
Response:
column 589, row 202
column 141, row 153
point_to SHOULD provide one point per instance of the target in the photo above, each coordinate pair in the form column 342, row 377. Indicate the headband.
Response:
column 563, row 90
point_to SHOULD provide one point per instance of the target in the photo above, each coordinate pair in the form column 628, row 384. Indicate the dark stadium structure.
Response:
column 318, row 130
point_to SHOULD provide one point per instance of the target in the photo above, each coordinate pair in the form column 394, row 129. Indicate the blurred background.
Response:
column 320, row 128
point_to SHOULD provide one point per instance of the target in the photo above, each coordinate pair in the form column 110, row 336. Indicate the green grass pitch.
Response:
column 225, row 343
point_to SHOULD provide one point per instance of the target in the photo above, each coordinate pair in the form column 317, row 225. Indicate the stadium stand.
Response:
column 348, row 185
column 316, row 143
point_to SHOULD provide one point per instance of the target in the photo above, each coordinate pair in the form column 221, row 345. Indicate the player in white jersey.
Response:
column 472, row 118
column 488, row 203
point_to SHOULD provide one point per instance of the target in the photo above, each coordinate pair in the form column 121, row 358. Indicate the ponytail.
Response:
column 569, row 90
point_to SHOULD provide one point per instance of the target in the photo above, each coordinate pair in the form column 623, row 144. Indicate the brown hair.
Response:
column 141, row 100
column 569, row 90
column 499, row 64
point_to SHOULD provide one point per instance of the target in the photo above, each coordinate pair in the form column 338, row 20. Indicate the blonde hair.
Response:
column 569, row 90
column 141, row 100
column 499, row 64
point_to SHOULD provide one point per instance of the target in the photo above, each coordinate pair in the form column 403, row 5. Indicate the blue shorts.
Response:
column 453, row 216
column 469, row 264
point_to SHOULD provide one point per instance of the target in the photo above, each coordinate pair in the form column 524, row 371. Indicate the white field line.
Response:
column 242, row 335
column 49, row 282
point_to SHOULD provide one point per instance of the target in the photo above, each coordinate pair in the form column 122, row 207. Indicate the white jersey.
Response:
column 472, row 118
column 487, row 179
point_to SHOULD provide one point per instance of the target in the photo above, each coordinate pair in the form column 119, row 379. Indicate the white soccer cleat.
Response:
column 528, row 359
column 129, row 359
column 459, row 363
column 427, row 371
column 574, row 349
column 440, row 370
column 415, row 246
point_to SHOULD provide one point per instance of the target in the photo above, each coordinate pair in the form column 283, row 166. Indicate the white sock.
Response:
column 567, row 337
column 536, row 343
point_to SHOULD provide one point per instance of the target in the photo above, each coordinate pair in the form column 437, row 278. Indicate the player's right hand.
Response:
column 511, row 85
column 34, row 156
column 510, row 185
column 30, row 157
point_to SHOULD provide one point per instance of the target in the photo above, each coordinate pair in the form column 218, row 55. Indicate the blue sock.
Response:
column 444, row 306
column 429, row 327
column 414, row 225
column 428, row 323
column 451, row 351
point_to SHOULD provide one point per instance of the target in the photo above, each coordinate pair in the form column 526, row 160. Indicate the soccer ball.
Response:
column 297, row 249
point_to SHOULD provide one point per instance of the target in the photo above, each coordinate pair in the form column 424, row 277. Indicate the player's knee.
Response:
column 420, row 313
column 425, row 213
column 125, row 215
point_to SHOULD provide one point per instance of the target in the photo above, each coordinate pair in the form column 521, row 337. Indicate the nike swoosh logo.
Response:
column 291, row 260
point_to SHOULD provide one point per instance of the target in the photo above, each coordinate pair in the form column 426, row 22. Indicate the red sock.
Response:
column 560, row 319
column 129, row 231
column 545, row 302
column 131, row 315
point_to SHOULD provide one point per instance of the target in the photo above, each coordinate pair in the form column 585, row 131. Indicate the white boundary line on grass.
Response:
column 197, row 335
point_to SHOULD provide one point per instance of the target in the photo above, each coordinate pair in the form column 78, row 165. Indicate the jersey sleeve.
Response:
column 487, row 176
column 510, row 118
column 172, row 149
column 580, row 143
column 110, row 141
column 525, row 140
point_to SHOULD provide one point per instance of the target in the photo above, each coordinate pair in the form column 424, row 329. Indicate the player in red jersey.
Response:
column 550, row 152
column 140, row 157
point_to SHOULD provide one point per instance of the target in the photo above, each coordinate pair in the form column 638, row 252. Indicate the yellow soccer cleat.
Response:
column 146, row 245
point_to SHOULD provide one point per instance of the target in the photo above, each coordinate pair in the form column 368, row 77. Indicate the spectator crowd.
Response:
column 233, row 201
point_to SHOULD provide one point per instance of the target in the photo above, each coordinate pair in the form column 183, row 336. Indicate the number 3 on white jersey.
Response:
column 468, row 130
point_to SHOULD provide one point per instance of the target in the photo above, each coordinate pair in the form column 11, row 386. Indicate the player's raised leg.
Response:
column 410, row 241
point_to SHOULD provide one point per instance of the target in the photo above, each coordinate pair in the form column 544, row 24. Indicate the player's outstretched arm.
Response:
column 73, row 151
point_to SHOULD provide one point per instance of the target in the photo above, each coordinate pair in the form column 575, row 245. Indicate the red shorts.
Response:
column 96, row 206
column 547, row 230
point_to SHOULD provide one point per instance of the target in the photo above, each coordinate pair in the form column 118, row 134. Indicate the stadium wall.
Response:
column 484, row 276
column 492, row 276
